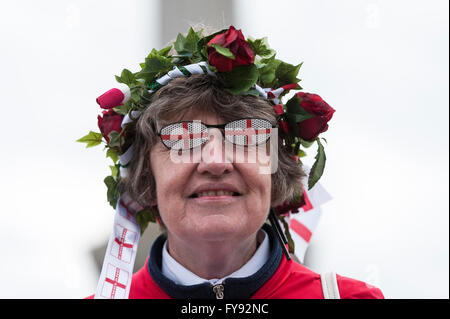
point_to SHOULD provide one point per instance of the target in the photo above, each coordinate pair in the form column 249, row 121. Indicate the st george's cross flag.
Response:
column 303, row 223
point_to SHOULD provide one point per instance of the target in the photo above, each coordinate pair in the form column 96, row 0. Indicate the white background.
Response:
column 383, row 65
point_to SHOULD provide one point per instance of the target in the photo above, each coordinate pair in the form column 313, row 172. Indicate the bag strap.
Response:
column 329, row 286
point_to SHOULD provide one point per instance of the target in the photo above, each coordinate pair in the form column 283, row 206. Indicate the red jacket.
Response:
column 290, row 281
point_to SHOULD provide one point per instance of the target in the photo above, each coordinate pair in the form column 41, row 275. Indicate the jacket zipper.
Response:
column 218, row 290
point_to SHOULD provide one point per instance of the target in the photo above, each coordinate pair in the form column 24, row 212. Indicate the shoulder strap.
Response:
column 329, row 286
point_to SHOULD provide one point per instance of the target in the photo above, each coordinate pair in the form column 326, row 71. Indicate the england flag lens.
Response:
column 248, row 132
column 184, row 135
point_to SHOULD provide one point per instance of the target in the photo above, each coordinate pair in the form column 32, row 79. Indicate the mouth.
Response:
column 217, row 194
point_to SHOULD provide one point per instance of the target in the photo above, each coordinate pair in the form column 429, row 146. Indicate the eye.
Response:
column 247, row 132
column 184, row 135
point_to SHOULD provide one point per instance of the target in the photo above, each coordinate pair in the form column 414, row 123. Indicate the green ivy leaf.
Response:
column 155, row 64
column 318, row 166
column 112, row 154
column 261, row 47
column 126, row 77
column 241, row 78
column 114, row 171
column 187, row 46
column 121, row 109
column 301, row 153
column 224, row 51
column 287, row 73
column 144, row 217
column 112, row 193
column 91, row 139
column 165, row 51
column 267, row 73
column 179, row 46
column 115, row 140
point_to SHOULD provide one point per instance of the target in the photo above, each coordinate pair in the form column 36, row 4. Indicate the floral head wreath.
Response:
column 246, row 67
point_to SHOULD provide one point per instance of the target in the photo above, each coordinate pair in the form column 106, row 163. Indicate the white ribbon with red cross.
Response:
column 117, row 270
column 273, row 94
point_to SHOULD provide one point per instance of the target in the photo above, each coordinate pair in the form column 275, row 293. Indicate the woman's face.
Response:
column 214, row 198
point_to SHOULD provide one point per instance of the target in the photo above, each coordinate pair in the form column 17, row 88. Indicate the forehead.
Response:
column 195, row 114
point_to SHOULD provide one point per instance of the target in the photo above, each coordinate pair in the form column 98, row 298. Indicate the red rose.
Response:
column 313, row 104
column 234, row 41
column 111, row 121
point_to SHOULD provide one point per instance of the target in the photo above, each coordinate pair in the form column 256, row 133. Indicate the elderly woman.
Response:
column 202, row 145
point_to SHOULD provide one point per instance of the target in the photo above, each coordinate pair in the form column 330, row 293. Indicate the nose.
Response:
column 214, row 159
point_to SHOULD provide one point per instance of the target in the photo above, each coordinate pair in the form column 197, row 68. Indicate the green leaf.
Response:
column 295, row 114
column 144, row 217
column 287, row 73
column 91, row 139
column 306, row 143
column 261, row 47
column 241, row 78
column 296, row 117
column 112, row 154
column 293, row 107
column 267, row 72
column 178, row 45
column 187, row 46
column 301, row 153
column 121, row 109
column 155, row 65
column 253, row 92
column 114, row 171
column 224, row 51
column 115, row 140
column 318, row 166
column 112, row 193
column 126, row 77
column 165, row 51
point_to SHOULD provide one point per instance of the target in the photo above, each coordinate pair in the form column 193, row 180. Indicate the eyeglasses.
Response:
column 186, row 135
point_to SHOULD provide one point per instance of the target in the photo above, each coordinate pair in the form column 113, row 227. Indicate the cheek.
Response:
column 259, row 185
column 170, row 179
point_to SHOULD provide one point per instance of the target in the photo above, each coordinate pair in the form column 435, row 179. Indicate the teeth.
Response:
column 215, row 193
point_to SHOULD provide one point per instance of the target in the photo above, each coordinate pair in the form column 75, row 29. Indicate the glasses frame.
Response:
column 219, row 126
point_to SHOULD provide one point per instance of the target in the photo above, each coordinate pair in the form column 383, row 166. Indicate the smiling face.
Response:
column 214, row 200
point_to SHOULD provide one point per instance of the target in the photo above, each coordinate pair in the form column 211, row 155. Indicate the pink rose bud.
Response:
column 114, row 97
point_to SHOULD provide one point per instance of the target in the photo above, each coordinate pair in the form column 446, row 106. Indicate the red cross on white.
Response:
column 122, row 247
column 115, row 283
column 249, row 132
column 187, row 136
column 304, row 223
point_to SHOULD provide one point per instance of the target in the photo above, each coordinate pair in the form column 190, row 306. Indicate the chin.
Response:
column 218, row 227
